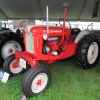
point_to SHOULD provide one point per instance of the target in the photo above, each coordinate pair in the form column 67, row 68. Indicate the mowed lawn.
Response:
column 69, row 82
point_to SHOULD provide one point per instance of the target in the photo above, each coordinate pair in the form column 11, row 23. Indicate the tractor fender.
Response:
column 81, row 35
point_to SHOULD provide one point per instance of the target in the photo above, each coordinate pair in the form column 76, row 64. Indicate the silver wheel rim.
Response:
column 15, row 70
column 9, row 48
column 39, row 83
column 92, row 53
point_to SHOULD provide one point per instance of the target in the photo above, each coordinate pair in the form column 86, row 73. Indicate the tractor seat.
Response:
column 75, row 31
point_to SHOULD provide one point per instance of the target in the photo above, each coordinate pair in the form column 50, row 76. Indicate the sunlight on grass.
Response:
column 69, row 82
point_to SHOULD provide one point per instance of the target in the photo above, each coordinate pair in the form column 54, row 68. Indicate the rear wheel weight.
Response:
column 88, row 51
column 36, row 80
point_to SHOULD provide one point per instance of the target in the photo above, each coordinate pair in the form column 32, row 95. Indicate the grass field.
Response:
column 69, row 82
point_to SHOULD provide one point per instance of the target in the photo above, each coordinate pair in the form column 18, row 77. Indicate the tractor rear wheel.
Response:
column 88, row 51
column 8, row 66
column 9, row 43
column 36, row 80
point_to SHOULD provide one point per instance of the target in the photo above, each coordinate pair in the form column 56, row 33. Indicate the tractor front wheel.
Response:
column 88, row 51
column 8, row 66
column 36, row 80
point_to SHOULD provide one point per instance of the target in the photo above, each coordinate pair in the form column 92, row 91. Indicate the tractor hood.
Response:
column 41, row 29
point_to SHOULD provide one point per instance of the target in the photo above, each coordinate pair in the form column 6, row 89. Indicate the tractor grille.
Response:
column 29, row 42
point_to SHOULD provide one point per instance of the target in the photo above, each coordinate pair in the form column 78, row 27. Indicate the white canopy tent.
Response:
column 35, row 9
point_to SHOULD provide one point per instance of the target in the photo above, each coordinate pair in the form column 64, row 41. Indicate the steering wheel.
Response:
column 67, row 22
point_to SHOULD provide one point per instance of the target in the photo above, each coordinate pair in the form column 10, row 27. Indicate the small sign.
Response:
column 4, row 76
column 23, row 97
column 1, row 74
column 22, row 63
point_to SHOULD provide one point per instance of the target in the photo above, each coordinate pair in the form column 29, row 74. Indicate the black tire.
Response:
column 83, row 52
column 7, row 66
column 30, row 76
column 6, row 38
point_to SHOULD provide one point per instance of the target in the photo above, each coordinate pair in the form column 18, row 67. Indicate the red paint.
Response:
column 15, row 65
column 64, row 20
column 39, row 82
column 93, row 53
column 11, row 51
column 65, row 46
column 53, row 45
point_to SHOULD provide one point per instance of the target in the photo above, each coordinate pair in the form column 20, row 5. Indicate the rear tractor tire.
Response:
column 88, row 51
column 7, row 66
column 36, row 80
column 9, row 43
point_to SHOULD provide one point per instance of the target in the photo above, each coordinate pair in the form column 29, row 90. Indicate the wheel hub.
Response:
column 14, row 65
column 92, row 53
column 14, row 68
column 39, row 82
column 11, row 51
column 9, row 48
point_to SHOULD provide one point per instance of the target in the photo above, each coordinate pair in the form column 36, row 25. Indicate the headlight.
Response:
column 45, row 36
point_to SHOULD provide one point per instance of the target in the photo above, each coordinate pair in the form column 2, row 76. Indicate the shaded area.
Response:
column 35, row 9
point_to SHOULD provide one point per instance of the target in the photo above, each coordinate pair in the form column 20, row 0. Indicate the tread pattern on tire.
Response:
column 28, row 78
column 82, row 50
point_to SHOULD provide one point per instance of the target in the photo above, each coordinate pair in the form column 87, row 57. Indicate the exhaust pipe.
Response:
column 45, row 35
column 65, row 6
column 47, row 16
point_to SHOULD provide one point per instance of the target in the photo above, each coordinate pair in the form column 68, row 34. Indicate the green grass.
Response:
column 69, row 82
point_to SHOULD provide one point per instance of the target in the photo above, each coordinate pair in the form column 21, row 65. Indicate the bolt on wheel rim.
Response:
column 10, row 48
column 39, row 83
column 92, row 53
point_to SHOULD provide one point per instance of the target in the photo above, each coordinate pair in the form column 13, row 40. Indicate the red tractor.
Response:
column 51, row 43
